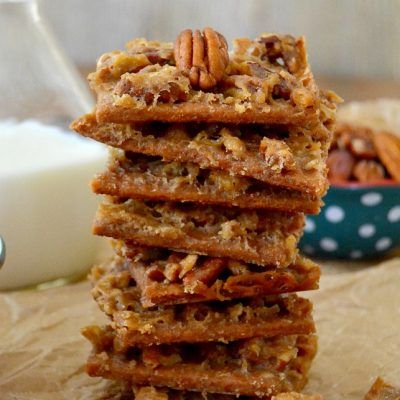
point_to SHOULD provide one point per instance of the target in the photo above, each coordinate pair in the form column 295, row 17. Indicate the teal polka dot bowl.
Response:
column 357, row 222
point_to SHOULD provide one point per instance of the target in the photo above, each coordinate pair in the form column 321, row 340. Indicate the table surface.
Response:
column 42, row 353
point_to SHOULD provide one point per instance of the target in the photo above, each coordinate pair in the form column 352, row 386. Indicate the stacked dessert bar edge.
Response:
column 215, row 157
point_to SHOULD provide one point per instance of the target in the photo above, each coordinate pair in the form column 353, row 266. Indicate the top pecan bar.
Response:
column 265, row 80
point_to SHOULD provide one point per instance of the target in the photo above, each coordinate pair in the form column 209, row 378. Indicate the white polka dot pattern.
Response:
column 334, row 214
column 355, row 224
column 394, row 214
column 366, row 230
column 371, row 199
column 383, row 243
column 328, row 244
column 310, row 226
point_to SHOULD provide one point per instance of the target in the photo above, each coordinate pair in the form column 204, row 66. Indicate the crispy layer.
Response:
column 149, row 178
column 262, row 367
column 168, row 277
column 153, row 393
column 280, row 156
column 268, row 80
column 258, row 236
column 118, row 296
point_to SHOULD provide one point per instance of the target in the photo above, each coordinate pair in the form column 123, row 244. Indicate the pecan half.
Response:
column 340, row 164
column 357, row 139
column 361, row 147
column 368, row 171
column 388, row 149
column 202, row 57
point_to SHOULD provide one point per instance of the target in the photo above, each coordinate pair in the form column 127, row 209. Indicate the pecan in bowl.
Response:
column 361, row 217
column 360, row 154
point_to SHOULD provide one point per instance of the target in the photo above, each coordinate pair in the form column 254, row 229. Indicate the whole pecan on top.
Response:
column 202, row 57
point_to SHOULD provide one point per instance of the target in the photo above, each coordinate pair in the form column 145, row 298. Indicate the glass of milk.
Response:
column 46, row 207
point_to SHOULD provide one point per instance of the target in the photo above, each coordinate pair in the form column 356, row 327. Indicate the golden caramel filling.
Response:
column 248, row 356
column 263, row 71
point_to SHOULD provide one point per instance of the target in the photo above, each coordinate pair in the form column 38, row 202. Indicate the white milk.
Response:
column 46, row 208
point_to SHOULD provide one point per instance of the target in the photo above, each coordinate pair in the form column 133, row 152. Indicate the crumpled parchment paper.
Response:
column 357, row 312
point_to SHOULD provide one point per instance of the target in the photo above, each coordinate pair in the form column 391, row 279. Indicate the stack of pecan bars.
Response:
column 214, row 159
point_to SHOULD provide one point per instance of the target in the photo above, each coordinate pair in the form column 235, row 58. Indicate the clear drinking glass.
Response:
column 45, row 205
column 36, row 79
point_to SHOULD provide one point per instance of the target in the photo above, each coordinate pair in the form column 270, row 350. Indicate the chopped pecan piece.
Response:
column 238, row 268
column 155, row 273
column 340, row 163
column 281, row 50
column 230, row 229
column 170, row 95
column 172, row 271
column 187, row 264
column 154, row 84
column 207, row 273
column 368, row 171
column 232, row 143
column 277, row 154
column 302, row 97
column 156, row 52
column 281, row 90
column 202, row 57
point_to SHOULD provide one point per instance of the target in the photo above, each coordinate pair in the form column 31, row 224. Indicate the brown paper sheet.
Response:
column 357, row 313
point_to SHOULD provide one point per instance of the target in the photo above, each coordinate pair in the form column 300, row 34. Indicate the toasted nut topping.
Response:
column 202, row 57
column 277, row 154
column 283, row 48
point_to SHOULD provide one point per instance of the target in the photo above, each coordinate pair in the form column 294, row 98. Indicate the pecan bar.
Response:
column 117, row 295
column 258, row 236
column 155, row 393
column 168, row 277
column 287, row 157
column 137, row 176
column 259, row 366
column 265, row 80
